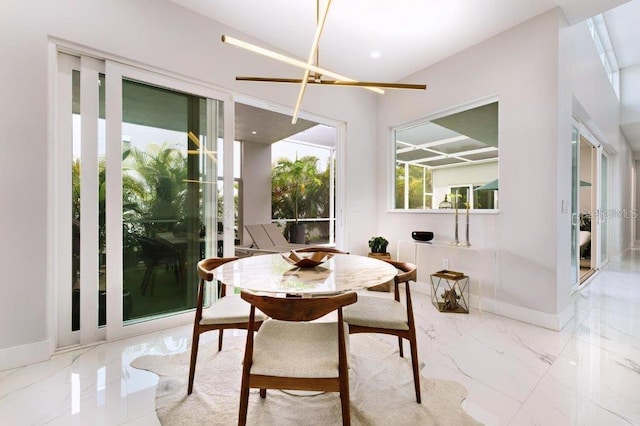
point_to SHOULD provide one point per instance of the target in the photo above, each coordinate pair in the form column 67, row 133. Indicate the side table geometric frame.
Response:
column 450, row 291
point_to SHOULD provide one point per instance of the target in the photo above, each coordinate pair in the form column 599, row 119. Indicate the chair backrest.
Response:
column 314, row 249
column 275, row 234
column 406, row 271
column 298, row 308
column 206, row 266
column 259, row 236
column 205, row 273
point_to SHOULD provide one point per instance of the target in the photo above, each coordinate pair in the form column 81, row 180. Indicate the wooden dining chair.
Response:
column 227, row 312
column 388, row 316
column 290, row 352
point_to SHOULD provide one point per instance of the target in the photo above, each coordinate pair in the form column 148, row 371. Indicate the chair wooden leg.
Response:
column 244, row 403
column 220, row 334
column 415, row 364
column 263, row 393
column 194, row 356
column 145, row 279
column 152, row 282
column 344, row 400
column 400, row 347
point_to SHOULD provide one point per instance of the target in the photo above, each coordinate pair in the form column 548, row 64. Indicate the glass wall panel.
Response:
column 604, row 209
column 102, row 200
column 237, row 192
column 75, row 202
column 169, row 173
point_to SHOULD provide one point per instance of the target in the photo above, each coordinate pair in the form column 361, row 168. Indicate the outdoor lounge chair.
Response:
column 268, row 238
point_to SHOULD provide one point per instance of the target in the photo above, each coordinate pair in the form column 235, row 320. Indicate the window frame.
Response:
column 392, row 161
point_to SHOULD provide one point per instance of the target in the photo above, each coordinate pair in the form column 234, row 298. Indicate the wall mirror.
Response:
column 448, row 159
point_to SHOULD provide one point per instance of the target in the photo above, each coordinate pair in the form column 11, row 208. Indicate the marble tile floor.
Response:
column 516, row 373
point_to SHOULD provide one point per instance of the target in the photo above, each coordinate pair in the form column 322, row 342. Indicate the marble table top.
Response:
column 271, row 273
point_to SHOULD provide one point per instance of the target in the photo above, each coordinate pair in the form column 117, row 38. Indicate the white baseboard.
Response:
column 565, row 316
column 542, row 319
column 422, row 288
column 520, row 313
column 19, row 356
column 619, row 257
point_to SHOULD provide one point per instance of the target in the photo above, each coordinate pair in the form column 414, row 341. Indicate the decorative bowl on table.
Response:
column 308, row 260
column 422, row 235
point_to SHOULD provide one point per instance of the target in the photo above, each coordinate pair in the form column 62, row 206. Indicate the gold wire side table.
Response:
column 450, row 291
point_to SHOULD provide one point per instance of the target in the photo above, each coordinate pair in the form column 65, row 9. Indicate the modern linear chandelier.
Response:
column 313, row 73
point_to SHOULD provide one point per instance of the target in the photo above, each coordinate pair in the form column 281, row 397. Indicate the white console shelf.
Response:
column 477, row 261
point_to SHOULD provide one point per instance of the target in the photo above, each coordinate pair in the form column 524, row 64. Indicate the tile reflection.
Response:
column 515, row 373
column 75, row 393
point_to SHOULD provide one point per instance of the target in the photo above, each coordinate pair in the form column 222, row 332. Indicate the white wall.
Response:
column 630, row 85
column 622, row 239
column 596, row 105
column 637, row 167
column 518, row 66
column 542, row 72
column 153, row 33
column 256, row 190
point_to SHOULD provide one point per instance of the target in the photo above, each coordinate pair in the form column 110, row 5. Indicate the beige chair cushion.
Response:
column 378, row 312
column 296, row 349
column 228, row 310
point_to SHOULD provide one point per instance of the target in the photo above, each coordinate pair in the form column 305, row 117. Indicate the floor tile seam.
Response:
column 535, row 387
column 592, row 309
column 141, row 416
column 478, row 382
column 576, row 392
column 449, row 342
column 470, row 377
column 608, row 410
column 65, row 366
column 33, row 383
column 588, row 314
column 138, row 419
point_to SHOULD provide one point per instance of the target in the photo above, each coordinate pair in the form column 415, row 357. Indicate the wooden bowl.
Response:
column 306, row 261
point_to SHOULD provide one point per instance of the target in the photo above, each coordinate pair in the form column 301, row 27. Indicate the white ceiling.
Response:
column 623, row 23
column 407, row 42
column 408, row 34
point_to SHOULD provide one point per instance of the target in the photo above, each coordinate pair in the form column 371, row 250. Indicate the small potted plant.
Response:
column 378, row 246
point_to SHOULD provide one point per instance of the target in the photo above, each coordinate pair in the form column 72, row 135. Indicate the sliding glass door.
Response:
column 79, row 218
column 168, row 181
column 589, row 205
column 138, row 205
column 604, row 209
column 575, row 218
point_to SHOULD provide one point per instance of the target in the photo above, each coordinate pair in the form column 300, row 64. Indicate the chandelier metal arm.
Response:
column 314, row 49
column 335, row 82
column 309, row 66
column 288, row 60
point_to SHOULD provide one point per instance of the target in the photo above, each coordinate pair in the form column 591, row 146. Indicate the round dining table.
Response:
column 271, row 273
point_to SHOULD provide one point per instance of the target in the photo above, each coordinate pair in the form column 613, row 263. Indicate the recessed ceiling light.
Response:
column 374, row 54
column 254, row 133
